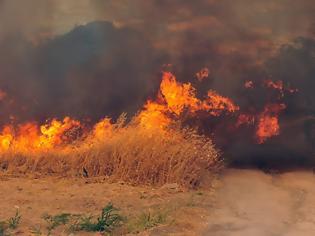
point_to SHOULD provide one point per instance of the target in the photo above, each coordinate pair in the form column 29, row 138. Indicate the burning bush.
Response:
column 131, row 152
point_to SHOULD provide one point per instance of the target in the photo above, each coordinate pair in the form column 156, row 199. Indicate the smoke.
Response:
column 92, row 71
column 294, row 64
column 93, row 58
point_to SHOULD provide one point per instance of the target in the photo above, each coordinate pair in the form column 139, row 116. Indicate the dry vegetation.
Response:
column 131, row 153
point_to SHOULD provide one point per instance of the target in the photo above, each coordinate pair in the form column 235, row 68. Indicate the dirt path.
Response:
column 251, row 203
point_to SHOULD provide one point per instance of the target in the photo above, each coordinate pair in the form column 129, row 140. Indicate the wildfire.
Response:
column 175, row 98
column 30, row 136
column 178, row 96
column 174, row 101
column 268, row 124
column 215, row 104
column 103, row 129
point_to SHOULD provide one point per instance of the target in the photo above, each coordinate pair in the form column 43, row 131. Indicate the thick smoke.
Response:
column 90, row 59
column 294, row 64
column 92, row 71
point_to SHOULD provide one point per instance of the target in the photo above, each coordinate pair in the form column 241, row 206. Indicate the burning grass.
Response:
column 124, row 152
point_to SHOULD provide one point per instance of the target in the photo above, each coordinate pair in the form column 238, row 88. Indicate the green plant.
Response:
column 106, row 222
column 3, row 228
column 147, row 221
column 10, row 224
column 55, row 221
column 14, row 221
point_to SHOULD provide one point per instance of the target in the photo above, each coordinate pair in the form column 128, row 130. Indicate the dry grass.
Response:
column 132, row 154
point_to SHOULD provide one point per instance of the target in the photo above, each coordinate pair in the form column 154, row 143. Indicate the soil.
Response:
column 238, row 202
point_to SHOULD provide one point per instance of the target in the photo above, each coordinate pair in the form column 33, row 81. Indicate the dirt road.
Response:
column 252, row 203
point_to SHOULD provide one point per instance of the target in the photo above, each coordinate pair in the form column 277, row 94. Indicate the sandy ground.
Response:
column 253, row 203
column 239, row 202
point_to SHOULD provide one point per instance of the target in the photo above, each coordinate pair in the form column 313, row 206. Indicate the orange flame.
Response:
column 174, row 98
column 103, row 129
column 217, row 104
column 30, row 136
column 268, row 124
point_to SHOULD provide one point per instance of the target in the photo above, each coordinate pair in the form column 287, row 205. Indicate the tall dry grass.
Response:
column 131, row 153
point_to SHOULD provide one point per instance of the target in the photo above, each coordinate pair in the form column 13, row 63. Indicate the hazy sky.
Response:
column 231, row 21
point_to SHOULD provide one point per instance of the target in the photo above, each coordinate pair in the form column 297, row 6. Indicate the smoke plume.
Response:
column 90, row 59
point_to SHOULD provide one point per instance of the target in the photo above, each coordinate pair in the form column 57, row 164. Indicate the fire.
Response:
column 59, row 132
column 173, row 102
column 174, row 98
column 279, row 86
column 30, row 136
column 178, row 96
column 268, row 124
column 154, row 115
column 215, row 104
column 246, row 119
column 103, row 129
column 6, row 137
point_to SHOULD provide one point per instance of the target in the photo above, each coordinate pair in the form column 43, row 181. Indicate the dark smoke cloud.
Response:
column 92, row 58
column 294, row 64
column 92, row 71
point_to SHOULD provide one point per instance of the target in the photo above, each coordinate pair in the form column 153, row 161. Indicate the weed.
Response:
column 14, row 221
column 147, row 221
column 55, row 221
column 106, row 222
column 3, row 228
column 10, row 224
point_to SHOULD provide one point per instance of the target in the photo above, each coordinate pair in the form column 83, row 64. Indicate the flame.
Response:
column 216, row 104
column 247, row 119
column 154, row 115
column 178, row 96
column 174, row 98
column 268, row 123
column 103, row 129
column 6, row 137
column 173, row 102
column 30, row 136
column 279, row 86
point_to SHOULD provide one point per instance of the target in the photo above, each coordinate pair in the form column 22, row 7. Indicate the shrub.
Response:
column 131, row 153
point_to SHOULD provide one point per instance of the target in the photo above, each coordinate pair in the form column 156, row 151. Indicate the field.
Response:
column 145, row 210
column 267, row 204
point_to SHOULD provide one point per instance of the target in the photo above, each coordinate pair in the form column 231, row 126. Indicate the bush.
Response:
column 131, row 153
